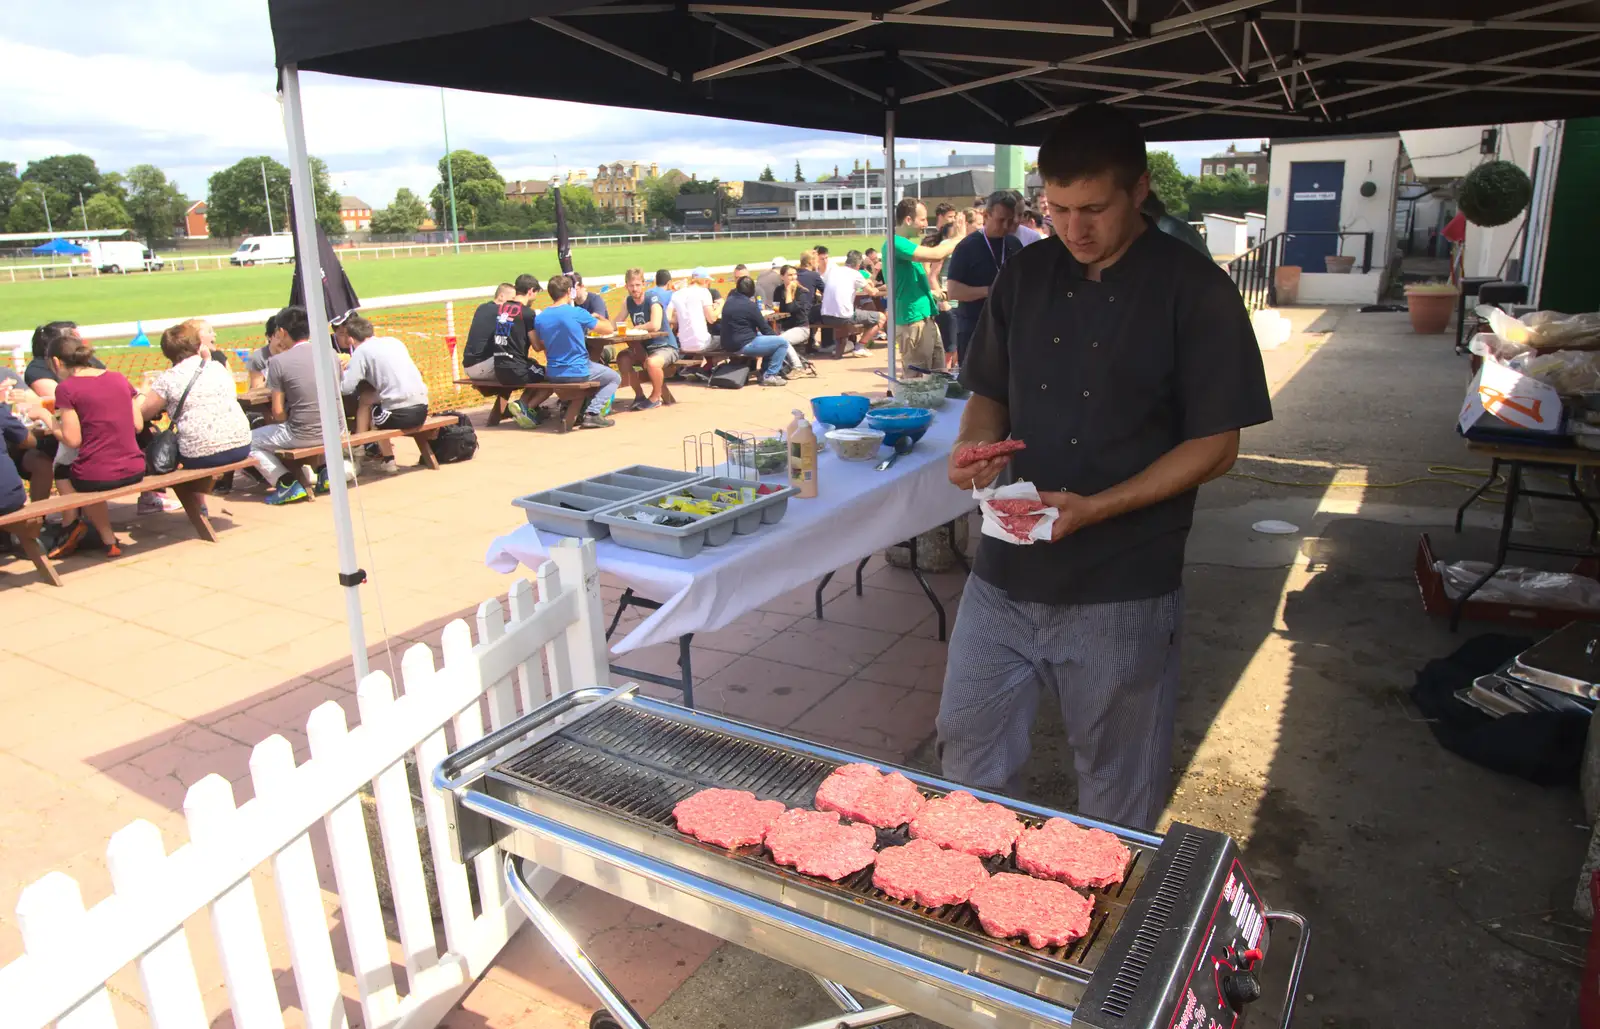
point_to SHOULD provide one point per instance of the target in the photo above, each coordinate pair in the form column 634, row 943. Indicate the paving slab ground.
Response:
column 1438, row 890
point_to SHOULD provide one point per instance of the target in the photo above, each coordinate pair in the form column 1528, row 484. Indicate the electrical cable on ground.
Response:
column 1438, row 474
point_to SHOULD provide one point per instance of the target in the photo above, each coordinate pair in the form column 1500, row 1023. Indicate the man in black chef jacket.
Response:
column 1127, row 364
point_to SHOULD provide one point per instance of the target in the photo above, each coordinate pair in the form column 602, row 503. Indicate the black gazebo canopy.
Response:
column 988, row 70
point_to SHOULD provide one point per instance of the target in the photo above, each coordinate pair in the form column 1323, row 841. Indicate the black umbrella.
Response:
column 337, row 293
column 563, row 239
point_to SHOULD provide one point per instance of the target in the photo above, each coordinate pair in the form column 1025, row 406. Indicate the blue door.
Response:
column 1315, row 188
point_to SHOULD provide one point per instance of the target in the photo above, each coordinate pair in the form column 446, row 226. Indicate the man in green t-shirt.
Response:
column 915, row 301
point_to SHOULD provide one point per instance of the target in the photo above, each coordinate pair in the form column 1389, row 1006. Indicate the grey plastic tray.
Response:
column 570, row 510
column 706, row 531
column 765, row 510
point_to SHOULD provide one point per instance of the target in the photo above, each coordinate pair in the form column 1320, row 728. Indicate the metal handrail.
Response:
column 1255, row 270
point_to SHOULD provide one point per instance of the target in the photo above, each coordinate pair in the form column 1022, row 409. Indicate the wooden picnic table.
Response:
column 258, row 398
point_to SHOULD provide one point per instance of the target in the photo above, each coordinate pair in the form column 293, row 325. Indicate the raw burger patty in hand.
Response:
column 861, row 793
column 728, row 818
column 1063, row 850
column 962, row 822
column 1018, row 506
column 984, row 451
column 928, row 874
column 1049, row 914
column 817, row 843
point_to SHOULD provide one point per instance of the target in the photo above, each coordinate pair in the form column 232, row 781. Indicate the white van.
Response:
column 117, row 256
column 277, row 249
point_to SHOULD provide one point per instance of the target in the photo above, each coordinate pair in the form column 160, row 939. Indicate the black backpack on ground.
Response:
column 456, row 442
column 730, row 375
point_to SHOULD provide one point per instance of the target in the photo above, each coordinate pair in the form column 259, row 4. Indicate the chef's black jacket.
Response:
column 1101, row 379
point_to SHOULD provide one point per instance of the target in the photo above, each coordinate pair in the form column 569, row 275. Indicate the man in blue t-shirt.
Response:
column 560, row 331
column 977, row 261
column 661, row 293
column 594, row 303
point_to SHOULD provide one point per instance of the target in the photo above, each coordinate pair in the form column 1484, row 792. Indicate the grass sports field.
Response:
column 169, row 294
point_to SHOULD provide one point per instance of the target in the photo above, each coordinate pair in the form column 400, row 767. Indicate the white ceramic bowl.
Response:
column 855, row 444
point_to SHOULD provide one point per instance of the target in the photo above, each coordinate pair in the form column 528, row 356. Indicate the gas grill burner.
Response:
column 1178, row 944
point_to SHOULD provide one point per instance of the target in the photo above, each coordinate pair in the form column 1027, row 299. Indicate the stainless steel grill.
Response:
column 592, row 798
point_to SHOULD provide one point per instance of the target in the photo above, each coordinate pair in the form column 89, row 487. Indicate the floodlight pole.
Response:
column 330, row 402
column 267, row 196
column 83, row 213
column 889, row 203
column 449, row 174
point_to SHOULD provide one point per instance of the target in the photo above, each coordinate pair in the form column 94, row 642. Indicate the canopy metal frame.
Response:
column 985, row 70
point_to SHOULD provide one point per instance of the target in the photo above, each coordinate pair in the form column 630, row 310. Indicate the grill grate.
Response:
column 639, row 765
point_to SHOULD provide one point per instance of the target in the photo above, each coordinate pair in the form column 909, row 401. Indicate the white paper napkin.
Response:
column 1015, row 491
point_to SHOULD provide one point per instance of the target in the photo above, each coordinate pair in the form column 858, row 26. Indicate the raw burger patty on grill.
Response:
column 728, row 818
column 1049, row 914
column 1074, row 855
column 928, row 874
column 817, row 843
column 962, row 822
column 861, row 793
column 981, row 451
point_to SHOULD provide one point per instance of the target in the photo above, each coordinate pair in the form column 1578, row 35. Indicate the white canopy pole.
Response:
column 330, row 403
column 889, row 203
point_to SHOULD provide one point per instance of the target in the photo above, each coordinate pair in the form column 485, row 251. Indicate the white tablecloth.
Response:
column 859, row 511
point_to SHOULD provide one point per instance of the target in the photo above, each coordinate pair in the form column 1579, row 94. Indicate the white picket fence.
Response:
column 71, row 953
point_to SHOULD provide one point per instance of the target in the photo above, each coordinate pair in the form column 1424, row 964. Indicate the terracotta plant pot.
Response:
column 1338, row 264
column 1430, row 312
column 1286, row 282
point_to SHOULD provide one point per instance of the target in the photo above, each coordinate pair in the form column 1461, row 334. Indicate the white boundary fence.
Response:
column 70, row 953
column 380, row 252
column 688, row 237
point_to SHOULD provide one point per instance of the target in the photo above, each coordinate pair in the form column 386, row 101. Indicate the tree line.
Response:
column 1188, row 197
column 68, row 191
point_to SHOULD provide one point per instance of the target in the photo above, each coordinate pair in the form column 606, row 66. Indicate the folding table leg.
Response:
column 1461, row 512
column 960, row 557
column 820, row 587
column 1507, row 519
column 859, row 569
column 1588, row 509
column 686, row 669
column 622, row 605
column 562, row 941
column 933, row 598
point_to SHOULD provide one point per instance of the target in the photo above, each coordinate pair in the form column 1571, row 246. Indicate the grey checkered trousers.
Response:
column 1114, row 668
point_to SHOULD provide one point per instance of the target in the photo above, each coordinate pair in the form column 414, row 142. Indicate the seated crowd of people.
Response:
column 821, row 303
column 71, row 425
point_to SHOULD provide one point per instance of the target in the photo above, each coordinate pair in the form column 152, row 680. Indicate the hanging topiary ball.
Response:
column 1494, row 193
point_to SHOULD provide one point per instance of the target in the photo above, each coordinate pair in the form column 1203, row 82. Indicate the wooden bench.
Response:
column 423, row 434
column 642, row 378
column 576, row 395
column 190, row 485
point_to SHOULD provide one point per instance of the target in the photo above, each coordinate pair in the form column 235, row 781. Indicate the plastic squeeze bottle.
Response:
column 802, row 456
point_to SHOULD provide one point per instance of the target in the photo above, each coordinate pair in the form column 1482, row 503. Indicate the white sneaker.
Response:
column 158, row 502
column 386, row 466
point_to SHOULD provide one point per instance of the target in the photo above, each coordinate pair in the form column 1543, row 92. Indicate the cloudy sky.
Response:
column 188, row 85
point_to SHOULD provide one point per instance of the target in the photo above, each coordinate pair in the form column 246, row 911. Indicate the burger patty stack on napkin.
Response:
column 1012, row 513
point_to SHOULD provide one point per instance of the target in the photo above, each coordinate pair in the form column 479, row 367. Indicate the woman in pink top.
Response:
column 98, row 413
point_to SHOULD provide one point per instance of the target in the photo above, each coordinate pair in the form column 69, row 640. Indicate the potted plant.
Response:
column 1286, row 284
column 1430, row 305
column 1339, row 264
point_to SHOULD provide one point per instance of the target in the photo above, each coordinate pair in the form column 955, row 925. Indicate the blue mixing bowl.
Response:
column 900, row 422
column 840, row 412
